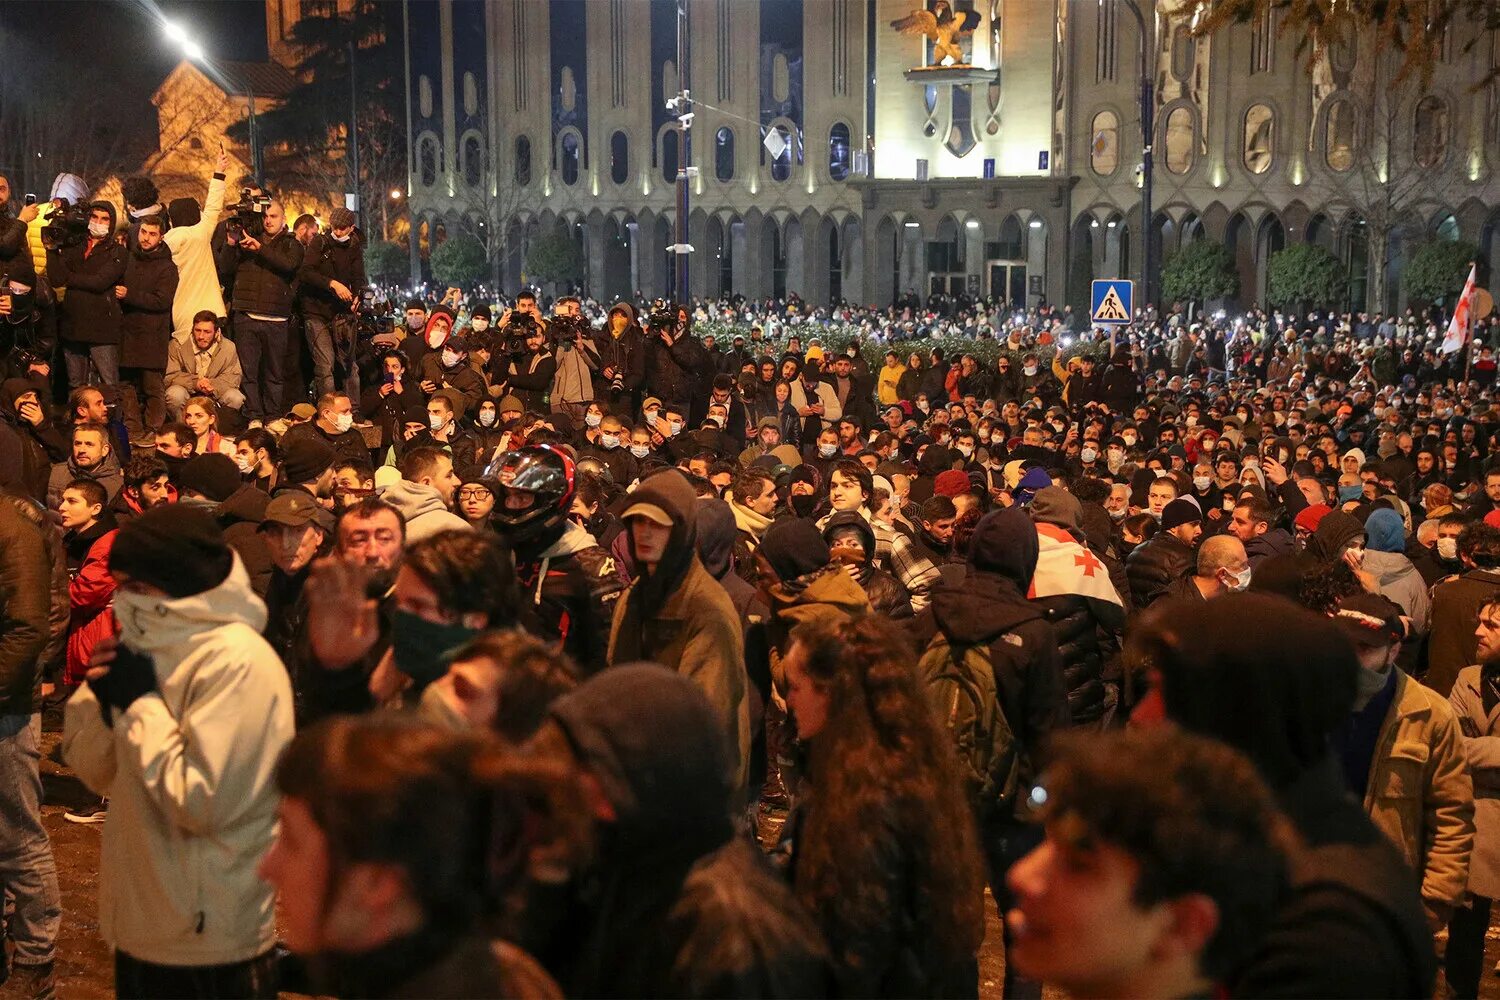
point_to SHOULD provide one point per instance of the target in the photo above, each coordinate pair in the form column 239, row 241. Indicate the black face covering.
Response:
column 804, row 503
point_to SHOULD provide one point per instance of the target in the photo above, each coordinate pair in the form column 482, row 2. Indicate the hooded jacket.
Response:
column 90, row 271
column 25, row 606
column 1395, row 576
column 679, row 616
column 718, row 539
column 27, row 452
column 1334, row 531
column 146, row 324
column 107, row 474
column 626, row 354
column 424, row 510
column 677, row 905
column 188, row 771
column 989, row 608
column 240, row 515
column 885, row 593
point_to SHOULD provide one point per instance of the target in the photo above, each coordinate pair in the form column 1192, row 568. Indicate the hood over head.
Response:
column 670, row 493
column 1384, row 531
column 69, row 186
column 794, row 547
column 851, row 519
column 1055, row 505
column 1005, row 545
column 717, row 533
column 1334, row 530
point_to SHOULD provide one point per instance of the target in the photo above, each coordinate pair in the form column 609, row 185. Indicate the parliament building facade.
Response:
column 836, row 158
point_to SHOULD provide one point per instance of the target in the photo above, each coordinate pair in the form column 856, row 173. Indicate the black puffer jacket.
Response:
column 263, row 279
column 326, row 261
column 1084, row 643
column 673, row 373
column 1155, row 565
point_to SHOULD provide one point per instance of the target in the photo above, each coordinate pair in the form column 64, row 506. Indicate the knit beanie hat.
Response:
column 1035, row 479
column 214, row 476
column 951, row 483
column 1308, row 518
column 306, row 459
column 794, row 547
column 177, row 548
column 1179, row 512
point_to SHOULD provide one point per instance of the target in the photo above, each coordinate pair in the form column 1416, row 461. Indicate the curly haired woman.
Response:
column 884, row 854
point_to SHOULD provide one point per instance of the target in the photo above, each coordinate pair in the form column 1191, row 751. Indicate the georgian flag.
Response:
column 1063, row 566
column 1461, row 326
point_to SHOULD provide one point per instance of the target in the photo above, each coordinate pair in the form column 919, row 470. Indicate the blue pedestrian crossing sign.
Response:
column 1112, row 301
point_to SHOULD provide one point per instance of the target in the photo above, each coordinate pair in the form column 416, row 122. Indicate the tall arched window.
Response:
column 427, row 160
column 1338, row 136
column 1259, row 150
column 840, row 158
column 1104, row 150
column 523, row 160
column 1430, row 142
column 669, row 156
column 473, row 161
column 1179, row 135
column 724, row 154
column 619, row 158
column 571, row 155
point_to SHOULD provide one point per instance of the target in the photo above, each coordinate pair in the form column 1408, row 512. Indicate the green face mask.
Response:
column 423, row 649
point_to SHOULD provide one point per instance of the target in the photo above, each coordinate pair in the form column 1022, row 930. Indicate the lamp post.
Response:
column 385, row 213
column 683, row 106
column 1148, row 113
column 194, row 53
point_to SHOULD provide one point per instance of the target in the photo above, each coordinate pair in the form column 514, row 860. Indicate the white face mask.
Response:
column 640, row 450
column 1029, row 369
column 341, row 239
column 674, row 428
column 436, row 423
column 342, row 422
column 487, row 418
column 1447, row 548
column 1089, row 455
column 965, row 450
column 610, row 441
column 98, row 230
column 246, row 465
column 450, row 359
column 1240, row 581
column 716, row 418
column 1201, row 482
column 1129, row 440
column 827, row 450
column 593, row 419
column 135, row 613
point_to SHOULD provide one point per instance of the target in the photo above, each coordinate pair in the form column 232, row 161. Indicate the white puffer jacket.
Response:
column 188, row 771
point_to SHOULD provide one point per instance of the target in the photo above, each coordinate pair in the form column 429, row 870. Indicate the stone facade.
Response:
column 1013, row 176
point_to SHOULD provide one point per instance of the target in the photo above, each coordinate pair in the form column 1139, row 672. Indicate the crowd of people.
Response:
column 577, row 650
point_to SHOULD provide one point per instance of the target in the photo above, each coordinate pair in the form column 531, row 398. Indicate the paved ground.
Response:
column 83, row 962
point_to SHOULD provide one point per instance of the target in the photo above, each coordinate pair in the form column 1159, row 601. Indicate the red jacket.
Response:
column 90, row 593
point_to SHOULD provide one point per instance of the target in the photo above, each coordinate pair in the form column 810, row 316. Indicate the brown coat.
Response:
column 1481, row 731
column 1419, row 792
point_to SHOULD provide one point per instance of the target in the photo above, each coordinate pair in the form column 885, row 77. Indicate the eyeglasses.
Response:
column 474, row 493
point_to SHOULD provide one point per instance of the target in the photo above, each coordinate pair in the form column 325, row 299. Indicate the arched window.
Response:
column 523, row 160
column 781, row 166
column 1182, row 52
column 619, row 158
column 839, row 157
column 1430, row 142
column 424, row 97
column 1446, row 230
column 1338, row 136
column 1258, row 150
column 669, row 157
column 1104, row 150
column 427, row 160
column 1179, row 135
column 473, row 161
column 570, row 158
column 724, row 154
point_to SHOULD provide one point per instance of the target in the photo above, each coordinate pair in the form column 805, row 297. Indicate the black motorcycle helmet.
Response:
column 534, row 492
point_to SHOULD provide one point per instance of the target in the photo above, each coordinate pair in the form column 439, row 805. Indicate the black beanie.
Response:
column 215, row 476
column 177, row 548
column 794, row 547
column 306, row 459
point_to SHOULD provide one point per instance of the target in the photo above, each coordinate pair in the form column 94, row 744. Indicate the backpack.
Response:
column 960, row 684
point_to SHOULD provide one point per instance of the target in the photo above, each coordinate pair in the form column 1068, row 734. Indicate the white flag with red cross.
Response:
column 1461, row 326
column 1065, row 566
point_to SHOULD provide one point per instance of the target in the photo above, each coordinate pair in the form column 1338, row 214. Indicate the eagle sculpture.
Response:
column 942, row 26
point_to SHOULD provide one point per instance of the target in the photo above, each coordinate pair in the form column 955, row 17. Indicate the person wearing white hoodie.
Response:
column 181, row 724
column 189, row 240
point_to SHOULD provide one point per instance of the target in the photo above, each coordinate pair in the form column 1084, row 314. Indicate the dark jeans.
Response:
column 1005, row 843
column 262, row 349
column 144, row 403
column 1464, row 962
column 254, row 979
column 99, row 359
column 331, row 343
column 28, row 875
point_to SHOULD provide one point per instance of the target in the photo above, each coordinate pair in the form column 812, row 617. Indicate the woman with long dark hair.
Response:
column 884, row 853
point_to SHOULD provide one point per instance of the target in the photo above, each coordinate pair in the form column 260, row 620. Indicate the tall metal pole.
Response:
column 1148, row 131
column 256, row 166
column 353, row 129
column 684, row 155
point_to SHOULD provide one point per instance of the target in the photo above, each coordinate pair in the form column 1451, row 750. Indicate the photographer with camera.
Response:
column 328, row 290
column 621, row 370
column 676, row 361
column 191, row 241
column 89, row 267
column 524, row 365
column 264, row 257
column 577, row 359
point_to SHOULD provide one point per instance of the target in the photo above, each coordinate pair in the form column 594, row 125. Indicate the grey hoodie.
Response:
column 1399, row 581
column 425, row 513
column 106, row 474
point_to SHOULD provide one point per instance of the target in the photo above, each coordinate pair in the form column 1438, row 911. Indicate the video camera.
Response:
column 67, row 226
column 566, row 330
column 663, row 318
column 374, row 317
column 249, row 215
column 519, row 327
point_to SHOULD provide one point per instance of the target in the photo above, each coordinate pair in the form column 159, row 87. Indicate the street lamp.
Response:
column 385, row 214
column 1148, row 111
column 195, row 53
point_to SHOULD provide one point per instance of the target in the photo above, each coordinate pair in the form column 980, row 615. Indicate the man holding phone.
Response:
column 264, row 267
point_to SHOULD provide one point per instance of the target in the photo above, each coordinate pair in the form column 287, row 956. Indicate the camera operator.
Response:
column 264, row 258
column 676, row 361
column 524, row 364
column 621, row 347
column 577, row 359
column 146, row 293
column 90, row 269
column 191, row 242
column 329, row 283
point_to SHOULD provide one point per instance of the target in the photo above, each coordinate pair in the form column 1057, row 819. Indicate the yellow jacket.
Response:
column 1420, row 793
column 889, row 378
